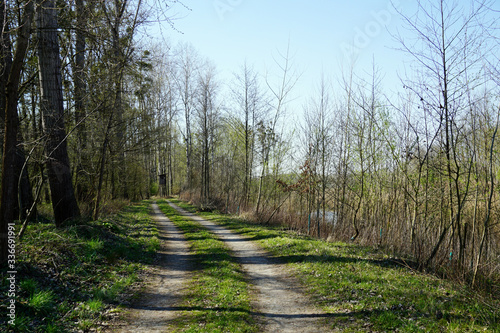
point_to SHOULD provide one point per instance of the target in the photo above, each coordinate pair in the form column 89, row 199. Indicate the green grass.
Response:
column 42, row 302
column 218, row 298
column 365, row 290
column 71, row 277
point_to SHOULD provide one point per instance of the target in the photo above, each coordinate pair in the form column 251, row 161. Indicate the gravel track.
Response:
column 166, row 282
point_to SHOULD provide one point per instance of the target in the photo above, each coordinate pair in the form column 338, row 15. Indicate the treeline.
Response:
column 92, row 115
column 78, row 130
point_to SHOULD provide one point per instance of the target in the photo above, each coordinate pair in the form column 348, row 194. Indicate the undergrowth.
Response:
column 71, row 279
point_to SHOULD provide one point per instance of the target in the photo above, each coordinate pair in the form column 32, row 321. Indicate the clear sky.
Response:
column 324, row 36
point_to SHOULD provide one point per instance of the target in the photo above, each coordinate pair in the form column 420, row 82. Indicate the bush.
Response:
column 154, row 188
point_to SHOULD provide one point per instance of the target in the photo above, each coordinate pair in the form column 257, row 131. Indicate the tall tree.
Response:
column 280, row 94
column 186, row 85
column 206, row 113
column 51, row 103
column 121, row 23
column 250, row 103
column 11, row 75
column 22, row 191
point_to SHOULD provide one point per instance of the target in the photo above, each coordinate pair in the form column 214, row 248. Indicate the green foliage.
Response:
column 111, row 293
column 42, row 302
column 52, row 328
column 21, row 323
column 28, row 286
column 154, row 188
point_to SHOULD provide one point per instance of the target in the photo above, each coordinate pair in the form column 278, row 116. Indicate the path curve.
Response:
column 166, row 284
column 281, row 305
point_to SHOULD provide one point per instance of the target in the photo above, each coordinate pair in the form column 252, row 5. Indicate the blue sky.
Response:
column 230, row 31
column 324, row 36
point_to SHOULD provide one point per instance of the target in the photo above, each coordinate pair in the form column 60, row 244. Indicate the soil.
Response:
column 280, row 303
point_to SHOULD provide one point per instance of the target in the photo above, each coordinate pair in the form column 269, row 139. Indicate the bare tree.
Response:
column 164, row 100
column 117, row 15
column 250, row 103
column 80, row 92
column 280, row 93
column 186, row 84
column 448, row 48
column 207, row 115
column 320, row 141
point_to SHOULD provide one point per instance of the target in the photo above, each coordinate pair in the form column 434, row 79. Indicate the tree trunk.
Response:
column 23, row 190
column 58, row 167
column 22, row 195
column 261, row 184
column 11, row 69
column 83, row 181
column 117, row 79
column 102, row 167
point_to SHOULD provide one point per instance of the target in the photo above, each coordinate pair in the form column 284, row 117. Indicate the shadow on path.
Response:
column 166, row 283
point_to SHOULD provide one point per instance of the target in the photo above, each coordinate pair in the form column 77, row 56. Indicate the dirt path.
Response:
column 282, row 307
column 166, row 283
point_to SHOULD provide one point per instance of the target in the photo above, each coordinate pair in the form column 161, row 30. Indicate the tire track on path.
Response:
column 166, row 282
column 280, row 303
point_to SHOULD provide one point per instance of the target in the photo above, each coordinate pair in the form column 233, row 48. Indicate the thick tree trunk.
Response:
column 58, row 167
column 11, row 126
column 22, row 195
